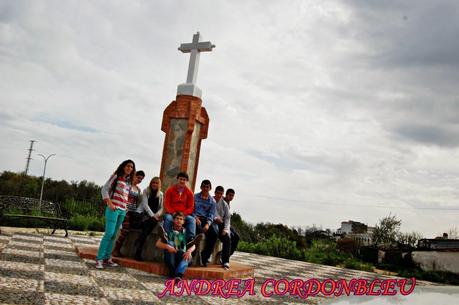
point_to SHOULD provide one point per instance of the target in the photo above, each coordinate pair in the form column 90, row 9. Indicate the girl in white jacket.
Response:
column 152, row 205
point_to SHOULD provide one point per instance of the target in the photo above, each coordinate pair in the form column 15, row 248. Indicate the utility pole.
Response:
column 43, row 180
column 29, row 157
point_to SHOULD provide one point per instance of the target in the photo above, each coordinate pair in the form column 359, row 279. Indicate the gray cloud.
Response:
column 429, row 134
column 343, row 103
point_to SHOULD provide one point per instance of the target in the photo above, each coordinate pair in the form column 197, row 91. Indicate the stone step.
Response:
column 237, row 270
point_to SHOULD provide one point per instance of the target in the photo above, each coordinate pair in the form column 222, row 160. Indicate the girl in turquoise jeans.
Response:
column 115, row 193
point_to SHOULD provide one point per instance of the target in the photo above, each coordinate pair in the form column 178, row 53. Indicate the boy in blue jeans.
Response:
column 177, row 254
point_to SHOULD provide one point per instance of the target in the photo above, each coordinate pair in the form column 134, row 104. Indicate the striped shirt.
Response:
column 121, row 194
column 134, row 196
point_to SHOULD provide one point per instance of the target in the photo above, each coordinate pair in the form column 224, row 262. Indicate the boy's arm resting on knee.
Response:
column 163, row 246
column 205, row 228
column 187, row 254
column 160, row 245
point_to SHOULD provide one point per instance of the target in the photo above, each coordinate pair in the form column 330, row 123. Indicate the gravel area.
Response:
column 21, row 297
column 71, row 288
column 20, row 258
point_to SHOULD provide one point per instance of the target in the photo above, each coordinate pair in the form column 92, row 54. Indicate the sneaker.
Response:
column 226, row 266
column 99, row 264
column 195, row 241
column 219, row 255
column 110, row 263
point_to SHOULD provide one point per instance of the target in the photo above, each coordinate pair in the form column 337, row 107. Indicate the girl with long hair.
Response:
column 115, row 194
column 152, row 205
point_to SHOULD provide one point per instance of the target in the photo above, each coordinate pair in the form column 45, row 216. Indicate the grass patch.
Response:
column 431, row 276
column 86, row 223
column 321, row 252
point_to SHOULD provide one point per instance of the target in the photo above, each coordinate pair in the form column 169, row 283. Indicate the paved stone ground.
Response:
column 45, row 269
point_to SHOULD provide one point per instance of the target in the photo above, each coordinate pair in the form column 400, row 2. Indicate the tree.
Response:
column 245, row 230
column 387, row 230
column 453, row 233
column 410, row 239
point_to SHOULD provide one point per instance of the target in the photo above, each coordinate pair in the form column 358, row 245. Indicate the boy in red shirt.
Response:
column 179, row 198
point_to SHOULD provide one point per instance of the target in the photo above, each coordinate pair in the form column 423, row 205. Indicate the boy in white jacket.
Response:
column 220, row 229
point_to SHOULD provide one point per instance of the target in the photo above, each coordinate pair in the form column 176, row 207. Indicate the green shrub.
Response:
column 432, row 276
column 320, row 252
column 353, row 263
column 274, row 246
column 72, row 207
column 85, row 223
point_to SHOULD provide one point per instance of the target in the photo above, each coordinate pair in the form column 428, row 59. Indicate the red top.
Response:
column 179, row 200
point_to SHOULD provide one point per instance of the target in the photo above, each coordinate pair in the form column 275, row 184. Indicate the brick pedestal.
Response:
column 185, row 123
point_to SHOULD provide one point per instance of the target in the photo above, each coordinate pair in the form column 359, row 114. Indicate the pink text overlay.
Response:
column 283, row 287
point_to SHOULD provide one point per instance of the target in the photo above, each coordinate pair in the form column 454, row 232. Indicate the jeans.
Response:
column 200, row 228
column 147, row 227
column 113, row 221
column 175, row 262
column 128, row 223
column 234, row 240
column 190, row 226
column 212, row 234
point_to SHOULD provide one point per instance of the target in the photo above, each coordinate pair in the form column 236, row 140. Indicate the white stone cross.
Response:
column 195, row 48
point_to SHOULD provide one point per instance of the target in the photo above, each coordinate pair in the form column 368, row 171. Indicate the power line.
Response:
column 354, row 205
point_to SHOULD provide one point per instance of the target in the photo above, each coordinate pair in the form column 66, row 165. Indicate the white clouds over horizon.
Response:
column 320, row 112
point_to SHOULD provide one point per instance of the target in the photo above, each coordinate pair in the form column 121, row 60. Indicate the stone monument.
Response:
column 185, row 121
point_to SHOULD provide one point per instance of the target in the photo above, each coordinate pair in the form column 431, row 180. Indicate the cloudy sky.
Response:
column 320, row 111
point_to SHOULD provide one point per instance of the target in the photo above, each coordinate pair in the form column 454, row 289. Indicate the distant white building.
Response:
column 370, row 230
column 351, row 226
column 358, row 231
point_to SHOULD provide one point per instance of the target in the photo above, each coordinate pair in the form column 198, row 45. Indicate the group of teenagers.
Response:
column 182, row 218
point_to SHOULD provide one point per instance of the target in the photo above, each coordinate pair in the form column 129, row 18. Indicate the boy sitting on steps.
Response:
column 177, row 253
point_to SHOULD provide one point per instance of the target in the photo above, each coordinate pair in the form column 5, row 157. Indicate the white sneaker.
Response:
column 99, row 264
column 110, row 263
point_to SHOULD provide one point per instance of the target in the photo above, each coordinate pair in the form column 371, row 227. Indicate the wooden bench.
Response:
column 31, row 208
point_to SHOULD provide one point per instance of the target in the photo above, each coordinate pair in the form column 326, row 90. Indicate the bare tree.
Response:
column 410, row 239
column 387, row 230
column 453, row 233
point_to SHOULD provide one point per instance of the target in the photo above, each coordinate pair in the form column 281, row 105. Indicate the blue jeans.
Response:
column 234, row 240
column 214, row 233
column 113, row 221
column 190, row 226
column 175, row 262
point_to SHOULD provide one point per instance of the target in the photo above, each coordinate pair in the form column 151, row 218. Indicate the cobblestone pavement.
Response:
column 45, row 269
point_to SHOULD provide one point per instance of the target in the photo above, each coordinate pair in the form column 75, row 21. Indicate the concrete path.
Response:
column 39, row 268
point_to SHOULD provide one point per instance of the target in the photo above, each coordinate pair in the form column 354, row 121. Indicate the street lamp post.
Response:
column 44, row 172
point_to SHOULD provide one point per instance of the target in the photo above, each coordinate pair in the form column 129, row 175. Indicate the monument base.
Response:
column 189, row 89
column 210, row 272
